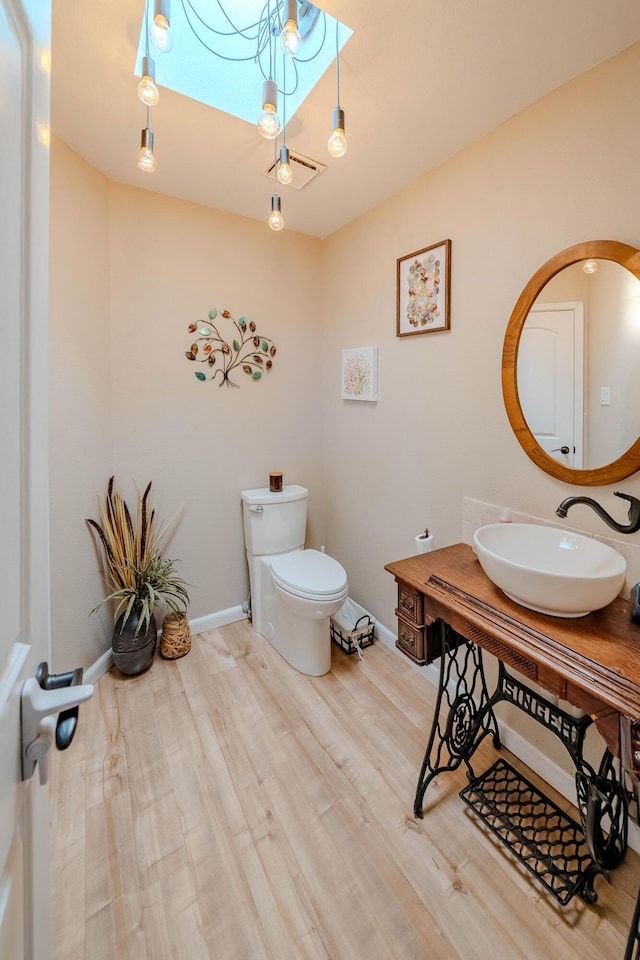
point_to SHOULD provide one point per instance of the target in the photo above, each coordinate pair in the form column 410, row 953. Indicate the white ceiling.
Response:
column 419, row 80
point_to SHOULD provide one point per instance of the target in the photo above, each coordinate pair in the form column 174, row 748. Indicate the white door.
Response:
column 24, row 560
column 550, row 379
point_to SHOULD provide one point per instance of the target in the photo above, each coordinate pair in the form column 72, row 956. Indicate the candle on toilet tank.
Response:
column 275, row 482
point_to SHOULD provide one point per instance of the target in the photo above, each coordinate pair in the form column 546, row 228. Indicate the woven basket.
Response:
column 176, row 636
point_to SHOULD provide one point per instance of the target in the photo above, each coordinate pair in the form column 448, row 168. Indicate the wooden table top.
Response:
column 599, row 653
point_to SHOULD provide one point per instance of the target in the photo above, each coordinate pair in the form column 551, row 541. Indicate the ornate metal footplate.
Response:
column 601, row 795
column 549, row 843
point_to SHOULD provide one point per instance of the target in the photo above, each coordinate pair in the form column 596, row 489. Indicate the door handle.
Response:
column 68, row 719
column 563, row 449
column 38, row 705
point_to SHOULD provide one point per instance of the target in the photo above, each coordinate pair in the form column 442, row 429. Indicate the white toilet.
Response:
column 293, row 591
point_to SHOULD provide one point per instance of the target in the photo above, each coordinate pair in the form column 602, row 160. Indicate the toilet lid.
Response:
column 309, row 573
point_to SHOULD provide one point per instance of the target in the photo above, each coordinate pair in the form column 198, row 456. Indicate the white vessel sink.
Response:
column 549, row 570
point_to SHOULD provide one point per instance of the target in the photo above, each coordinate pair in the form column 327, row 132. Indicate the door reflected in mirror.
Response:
column 578, row 365
column 571, row 364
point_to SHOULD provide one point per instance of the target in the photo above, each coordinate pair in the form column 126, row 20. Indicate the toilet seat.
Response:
column 310, row 574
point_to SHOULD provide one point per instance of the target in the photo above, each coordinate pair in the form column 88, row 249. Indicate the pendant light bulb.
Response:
column 268, row 124
column 276, row 220
column 290, row 36
column 337, row 144
column 590, row 266
column 285, row 173
column 291, row 39
column 160, row 28
column 146, row 158
column 147, row 90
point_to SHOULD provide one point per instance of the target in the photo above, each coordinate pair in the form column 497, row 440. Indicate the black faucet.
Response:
column 634, row 511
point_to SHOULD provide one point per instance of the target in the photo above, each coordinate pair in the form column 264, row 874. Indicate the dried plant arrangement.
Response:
column 139, row 576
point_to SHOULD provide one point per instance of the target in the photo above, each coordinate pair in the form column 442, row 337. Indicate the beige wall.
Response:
column 439, row 432
column 125, row 400
column 201, row 444
column 79, row 402
column 130, row 270
column 536, row 185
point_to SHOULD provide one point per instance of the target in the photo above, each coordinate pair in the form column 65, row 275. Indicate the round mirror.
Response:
column 571, row 364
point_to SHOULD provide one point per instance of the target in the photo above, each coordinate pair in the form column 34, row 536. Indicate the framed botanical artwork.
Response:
column 360, row 373
column 423, row 289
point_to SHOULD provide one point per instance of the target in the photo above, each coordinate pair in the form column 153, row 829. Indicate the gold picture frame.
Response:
column 423, row 289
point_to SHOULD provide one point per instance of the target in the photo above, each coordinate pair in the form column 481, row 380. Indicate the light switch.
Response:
column 604, row 396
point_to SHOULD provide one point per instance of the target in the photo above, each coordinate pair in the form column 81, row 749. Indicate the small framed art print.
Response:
column 360, row 373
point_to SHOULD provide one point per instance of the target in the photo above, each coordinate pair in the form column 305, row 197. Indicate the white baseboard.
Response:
column 550, row 772
column 219, row 619
column 104, row 663
column 431, row 671
column 98, row 669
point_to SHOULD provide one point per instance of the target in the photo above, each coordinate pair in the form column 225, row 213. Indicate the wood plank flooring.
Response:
column 225, row 807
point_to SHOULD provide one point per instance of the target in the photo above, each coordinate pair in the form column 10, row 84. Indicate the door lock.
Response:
column 38, row 750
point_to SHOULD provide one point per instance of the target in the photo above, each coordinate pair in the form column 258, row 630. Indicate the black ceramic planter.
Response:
column 133, row 653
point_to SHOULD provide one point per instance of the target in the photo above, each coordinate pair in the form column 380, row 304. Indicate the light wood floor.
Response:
column 224, row 806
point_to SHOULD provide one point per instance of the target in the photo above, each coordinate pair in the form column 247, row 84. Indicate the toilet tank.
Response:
column 274, row 522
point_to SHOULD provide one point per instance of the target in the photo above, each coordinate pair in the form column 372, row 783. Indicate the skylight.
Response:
column 204, row 35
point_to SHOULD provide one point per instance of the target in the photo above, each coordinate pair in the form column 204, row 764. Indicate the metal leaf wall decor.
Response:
column 244, row 350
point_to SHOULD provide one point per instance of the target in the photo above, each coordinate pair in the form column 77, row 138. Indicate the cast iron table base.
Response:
column 564, row 855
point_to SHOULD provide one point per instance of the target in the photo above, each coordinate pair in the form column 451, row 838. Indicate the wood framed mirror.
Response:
column 599, row 320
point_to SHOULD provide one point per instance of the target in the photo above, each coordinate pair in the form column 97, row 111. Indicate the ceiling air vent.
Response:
column 303, row 168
